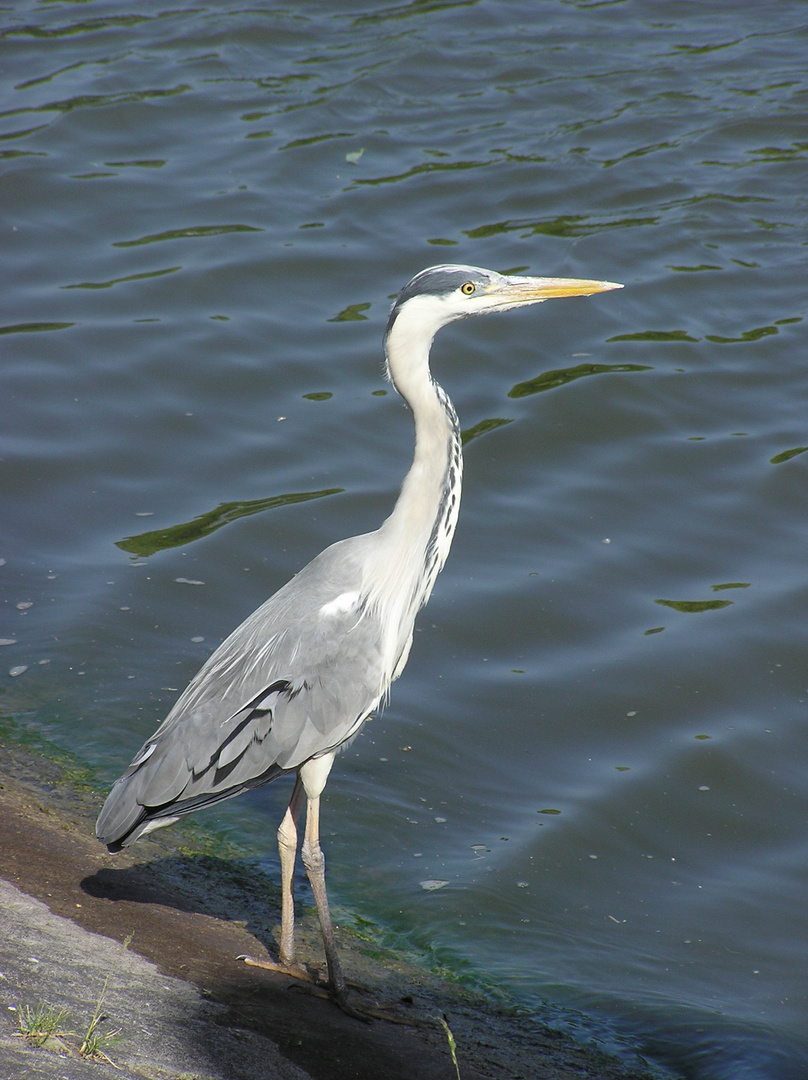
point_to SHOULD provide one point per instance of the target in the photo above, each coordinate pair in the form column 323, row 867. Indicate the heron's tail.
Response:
column 157, row 791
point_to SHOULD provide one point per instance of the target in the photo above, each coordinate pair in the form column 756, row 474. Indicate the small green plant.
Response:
column 95, row 1041
column 452, row 1044
column 41, row 1022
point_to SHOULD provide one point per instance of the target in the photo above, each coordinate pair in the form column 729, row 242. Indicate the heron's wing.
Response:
column 294, row 681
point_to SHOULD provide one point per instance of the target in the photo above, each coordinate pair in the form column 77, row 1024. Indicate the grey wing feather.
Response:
column 293, row 682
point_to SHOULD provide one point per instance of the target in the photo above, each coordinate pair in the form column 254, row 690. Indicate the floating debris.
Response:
column 431, row 884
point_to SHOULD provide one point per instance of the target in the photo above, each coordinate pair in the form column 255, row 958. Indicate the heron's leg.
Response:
column 313, row 775
column 314, row 861
column 287, row 848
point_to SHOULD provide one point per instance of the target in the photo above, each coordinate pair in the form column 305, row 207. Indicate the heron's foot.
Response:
column 351, row 999
column 295, row 970
column 350, row 1003
column 354, row 1004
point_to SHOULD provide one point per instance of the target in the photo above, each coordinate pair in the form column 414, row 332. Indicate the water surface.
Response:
column 600, row 741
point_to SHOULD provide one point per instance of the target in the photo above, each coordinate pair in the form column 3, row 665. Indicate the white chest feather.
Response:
column 340, row 605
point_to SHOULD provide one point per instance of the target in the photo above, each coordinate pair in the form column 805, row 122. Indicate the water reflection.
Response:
column 567, row 225
column 655, row 335
column 787, row 455
column 121, row 280
column 550, row 380
column 35, row 327
column 148, row 543
column 192, row 232
column 483, row 427
column 694, row 606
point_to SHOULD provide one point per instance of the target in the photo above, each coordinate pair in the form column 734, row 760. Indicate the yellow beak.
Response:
column 526, row 289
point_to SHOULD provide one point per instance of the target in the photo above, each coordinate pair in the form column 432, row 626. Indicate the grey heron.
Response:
column 298, row 678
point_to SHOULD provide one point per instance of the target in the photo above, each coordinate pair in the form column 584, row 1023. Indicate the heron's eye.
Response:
column 468, row 288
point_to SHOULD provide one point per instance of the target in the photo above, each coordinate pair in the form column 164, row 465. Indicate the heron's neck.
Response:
column 416, row 537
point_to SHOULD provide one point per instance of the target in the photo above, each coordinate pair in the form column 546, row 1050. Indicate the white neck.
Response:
column 414, row 541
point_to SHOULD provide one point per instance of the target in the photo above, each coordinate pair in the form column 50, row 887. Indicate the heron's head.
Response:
column 442, row 294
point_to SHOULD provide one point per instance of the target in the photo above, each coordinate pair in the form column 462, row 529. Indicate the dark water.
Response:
column 601, row 740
